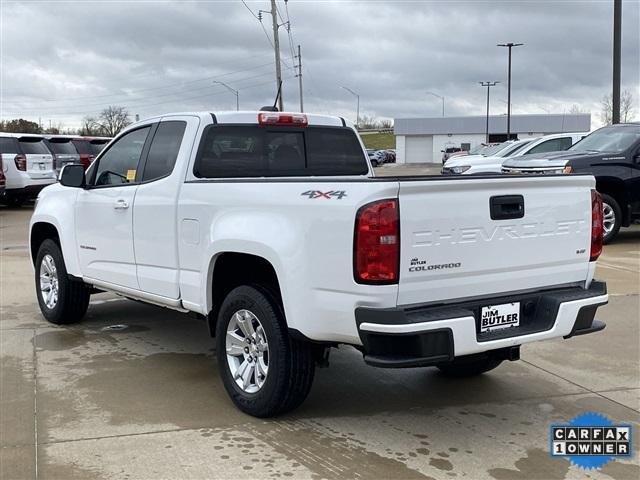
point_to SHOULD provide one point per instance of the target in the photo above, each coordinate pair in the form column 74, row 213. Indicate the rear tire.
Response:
column 461, row 368
column 290, row 363
column 612, row 217
column 62, row 301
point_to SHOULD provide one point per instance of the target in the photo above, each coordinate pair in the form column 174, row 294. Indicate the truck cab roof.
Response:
column 251, row 118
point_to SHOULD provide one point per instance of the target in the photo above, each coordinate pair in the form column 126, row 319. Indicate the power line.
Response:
column 57, row 107
column 155, row 88
column 289, row 34
column 146, row 105
column 259, row 18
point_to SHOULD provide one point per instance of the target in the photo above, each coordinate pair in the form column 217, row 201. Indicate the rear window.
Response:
column 83, row 147
column 62, row 148
column 97, row 146
column 31, row 146
column 255, row 151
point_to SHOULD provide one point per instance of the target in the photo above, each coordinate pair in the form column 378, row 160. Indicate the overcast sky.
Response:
column 65, row 60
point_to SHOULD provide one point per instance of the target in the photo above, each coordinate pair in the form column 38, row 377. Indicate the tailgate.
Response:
column 40, row 165
column 451, row 248
column 62, row 160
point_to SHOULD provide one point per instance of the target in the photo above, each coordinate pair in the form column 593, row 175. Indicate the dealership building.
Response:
column 422, row 140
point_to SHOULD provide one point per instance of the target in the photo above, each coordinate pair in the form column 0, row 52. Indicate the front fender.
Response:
column 56, row 206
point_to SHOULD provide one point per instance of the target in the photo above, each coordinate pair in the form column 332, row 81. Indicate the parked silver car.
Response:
column 63, row 150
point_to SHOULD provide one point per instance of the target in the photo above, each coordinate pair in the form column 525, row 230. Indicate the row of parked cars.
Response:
column 30, row 162
column 378, row 157
column 611, row 154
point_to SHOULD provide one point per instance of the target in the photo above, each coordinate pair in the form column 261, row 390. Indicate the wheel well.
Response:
column 233, row 269
column 616, row 190
column 39, row 233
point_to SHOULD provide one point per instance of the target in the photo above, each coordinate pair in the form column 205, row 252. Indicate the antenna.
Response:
column 277, row 96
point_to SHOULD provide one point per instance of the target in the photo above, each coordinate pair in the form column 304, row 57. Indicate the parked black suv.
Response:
column 612, row 155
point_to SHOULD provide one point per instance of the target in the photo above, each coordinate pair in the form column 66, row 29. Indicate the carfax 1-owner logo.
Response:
column 591, row 440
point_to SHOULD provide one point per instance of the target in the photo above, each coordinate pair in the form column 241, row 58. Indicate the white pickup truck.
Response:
column 272, row 227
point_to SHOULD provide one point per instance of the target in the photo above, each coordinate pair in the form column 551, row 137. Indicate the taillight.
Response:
column 21, row 162
column 86, row 159
column 288, row 119
column 376, row 256
column 54, row 161
column 597, row 227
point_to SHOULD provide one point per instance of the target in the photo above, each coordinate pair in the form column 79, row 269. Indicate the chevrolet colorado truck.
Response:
column 272, row 228
column 612, row 155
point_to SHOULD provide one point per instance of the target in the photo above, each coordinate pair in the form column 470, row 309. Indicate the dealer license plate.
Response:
column 496, row 317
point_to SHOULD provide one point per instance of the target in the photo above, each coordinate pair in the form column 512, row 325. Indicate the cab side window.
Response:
column 553, row 145
column 164, row 150
column 119, row 164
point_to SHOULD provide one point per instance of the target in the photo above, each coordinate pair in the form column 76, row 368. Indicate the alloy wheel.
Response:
column 49, row 281
column 247, row 351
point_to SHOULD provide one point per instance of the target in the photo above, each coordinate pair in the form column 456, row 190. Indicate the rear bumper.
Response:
column 22, row 181
column 28, row 191
column 429, row 335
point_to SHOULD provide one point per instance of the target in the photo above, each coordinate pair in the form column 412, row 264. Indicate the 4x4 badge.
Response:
column 312, row 194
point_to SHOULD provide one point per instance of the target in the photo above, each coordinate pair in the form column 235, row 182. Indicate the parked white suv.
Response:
column 493, row 164
column 27, row 165
column 273, row 228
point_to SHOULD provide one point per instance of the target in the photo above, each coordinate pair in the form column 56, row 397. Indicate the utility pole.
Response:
column 509, row 45
column 441, row 98
column 617, row 39
column 300, row 78
column 357, row 105
column 276, row 47
column 488, row 85
column 232, row 90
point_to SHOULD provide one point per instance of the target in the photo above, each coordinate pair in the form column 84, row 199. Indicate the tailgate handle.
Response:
column 506, row 207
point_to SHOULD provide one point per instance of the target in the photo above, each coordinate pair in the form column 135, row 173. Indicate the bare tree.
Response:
column 112, row 119
column 576, row 109
column 386, row 123
column 89, row 127
column 367, row 122
column 626, row 108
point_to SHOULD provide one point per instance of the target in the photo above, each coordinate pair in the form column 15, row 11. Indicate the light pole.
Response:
column 232, row 90
column 441, row 98
column 617, row 39
column 509, row 45
column 488, row 85
column 357, row 104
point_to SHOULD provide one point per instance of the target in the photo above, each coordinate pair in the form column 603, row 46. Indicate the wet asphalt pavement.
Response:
column 133, row 392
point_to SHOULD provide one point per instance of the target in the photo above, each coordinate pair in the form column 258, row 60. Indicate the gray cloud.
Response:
column 62, row 61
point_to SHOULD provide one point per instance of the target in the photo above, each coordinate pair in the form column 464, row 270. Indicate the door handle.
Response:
column 121, row 205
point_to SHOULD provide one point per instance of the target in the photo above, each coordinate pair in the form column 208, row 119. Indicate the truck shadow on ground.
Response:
column 138, row 351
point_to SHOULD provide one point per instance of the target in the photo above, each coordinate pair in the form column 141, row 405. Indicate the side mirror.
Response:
column 72, row 176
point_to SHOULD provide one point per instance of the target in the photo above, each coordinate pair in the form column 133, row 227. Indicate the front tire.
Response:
column 612, row 216
column 469, row 367
column 264, row 371
column 62, row 301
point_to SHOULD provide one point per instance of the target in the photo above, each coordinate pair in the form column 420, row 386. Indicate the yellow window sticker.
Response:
column 131, row 175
